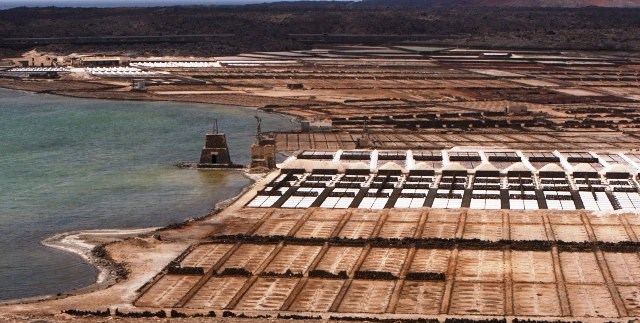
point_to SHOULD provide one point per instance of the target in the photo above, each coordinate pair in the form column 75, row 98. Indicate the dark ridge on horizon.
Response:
column 269, row 27
column 161, row 3
column 321, row 3
column 508, row 3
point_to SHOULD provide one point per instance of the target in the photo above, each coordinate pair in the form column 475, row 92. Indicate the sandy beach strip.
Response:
column 83, row 242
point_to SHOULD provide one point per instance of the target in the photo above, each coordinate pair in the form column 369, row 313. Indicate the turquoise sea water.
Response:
column 71, row 164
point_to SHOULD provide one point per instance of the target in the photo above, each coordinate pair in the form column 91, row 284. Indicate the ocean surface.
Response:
column 71, row 164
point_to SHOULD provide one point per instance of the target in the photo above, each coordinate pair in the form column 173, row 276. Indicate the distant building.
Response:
column 35, row 59
column 295, row 86
column 106, row 61
column 6, row 63
column 316, row 125
column 139, row 86
column 516, row 109
column 496, row 55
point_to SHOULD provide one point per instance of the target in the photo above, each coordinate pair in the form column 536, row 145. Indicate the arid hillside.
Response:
column 513, row 3
column 270, row 27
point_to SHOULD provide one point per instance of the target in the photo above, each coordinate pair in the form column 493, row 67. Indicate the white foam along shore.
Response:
column 79, row 242
column 82, row 242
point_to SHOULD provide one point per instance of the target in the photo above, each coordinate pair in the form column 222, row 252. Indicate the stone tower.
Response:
column 215, row 153
column 263, row 152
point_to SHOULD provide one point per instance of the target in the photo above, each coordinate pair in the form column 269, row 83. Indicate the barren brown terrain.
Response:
column 432, row 184
column 295, row 26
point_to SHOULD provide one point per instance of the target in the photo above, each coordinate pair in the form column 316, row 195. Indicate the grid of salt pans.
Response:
column 302, row 202
column 119, row 72
column 263, row 201
column 486, row 203
column 628, row 200
column 376, row 191
column 412, row 202
column 341, row 197
column 269, row 200
column 183, row 64
column 375, row 203
column 343, row 202
column 38, row 69
column 448, row 203
column 557, row 199
column 522, row 204
column 596, row 201
column 566, row 204
column 625, row 194
column 415, row 192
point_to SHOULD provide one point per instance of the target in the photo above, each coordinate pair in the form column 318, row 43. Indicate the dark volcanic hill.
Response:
column 273, row 27
column 509, row 3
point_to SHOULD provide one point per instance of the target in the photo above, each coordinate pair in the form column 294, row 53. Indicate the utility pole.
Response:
column 258, row 129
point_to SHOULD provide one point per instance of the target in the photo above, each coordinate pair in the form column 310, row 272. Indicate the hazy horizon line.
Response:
column 136, row 3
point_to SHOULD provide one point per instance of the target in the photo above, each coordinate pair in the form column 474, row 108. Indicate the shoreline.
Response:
column 68, row 95
column 83, row 242
column 154, row 98
column 223, row 103
column 150, row 98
